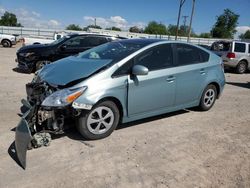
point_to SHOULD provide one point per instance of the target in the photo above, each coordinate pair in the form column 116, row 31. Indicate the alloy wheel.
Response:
column 100, row 120
column 209, row 97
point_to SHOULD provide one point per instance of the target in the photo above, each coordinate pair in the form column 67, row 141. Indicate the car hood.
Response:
column 64, row 71
column 34, row 47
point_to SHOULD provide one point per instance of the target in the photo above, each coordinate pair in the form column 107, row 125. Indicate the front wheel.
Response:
column 100, row 122
column 6, row 44
column 41, row 64
column 208, row 98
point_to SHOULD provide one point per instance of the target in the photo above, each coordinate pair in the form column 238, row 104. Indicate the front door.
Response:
column 156, row 90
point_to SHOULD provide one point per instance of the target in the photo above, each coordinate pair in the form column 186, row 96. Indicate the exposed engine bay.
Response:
column 38, row 121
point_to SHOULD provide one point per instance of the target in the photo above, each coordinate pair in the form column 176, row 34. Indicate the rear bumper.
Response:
column 230, row 63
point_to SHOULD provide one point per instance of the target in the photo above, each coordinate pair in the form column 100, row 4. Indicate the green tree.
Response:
column 245, row 35
column 135, row 29
column 9, row 19
column 74, row 27
column 182, row 31
column 156, row 28
column 205, row 35
column 225, row 25
column 113, row 28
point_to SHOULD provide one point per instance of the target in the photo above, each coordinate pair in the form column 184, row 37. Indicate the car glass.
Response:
column 221, row 46
column 240, row 47
column 124, row 69
column 159, row 57
column 249, row 48
column 74, row 42
column 59, row 40
column 187, row 54
column 114, row 51
column 92, row 41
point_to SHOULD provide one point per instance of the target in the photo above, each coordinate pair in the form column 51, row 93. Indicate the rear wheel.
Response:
column 6, row 43
column 241, row 67
column 100, row 121
column 208, row 98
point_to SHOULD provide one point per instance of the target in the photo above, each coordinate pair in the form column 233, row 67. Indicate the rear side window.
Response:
column 240, row 47
column 249, row 48
column 92, row 41
column 159, row 57
column 187, row 54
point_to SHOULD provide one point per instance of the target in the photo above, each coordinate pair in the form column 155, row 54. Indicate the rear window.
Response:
column 221, row 46
column 240, row 47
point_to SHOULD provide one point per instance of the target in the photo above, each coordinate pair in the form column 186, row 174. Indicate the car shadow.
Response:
column 18, row 70
column 146, row 120
column 73, row 134
column 239, row 84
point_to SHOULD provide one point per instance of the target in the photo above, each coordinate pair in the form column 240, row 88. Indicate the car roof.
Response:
column 91, row 34
column 141, row 41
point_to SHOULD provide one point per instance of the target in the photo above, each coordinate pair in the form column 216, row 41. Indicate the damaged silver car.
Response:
column 120, row 81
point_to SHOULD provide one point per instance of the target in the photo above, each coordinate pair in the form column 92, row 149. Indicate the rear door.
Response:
column 191, row 73
column 156, row 90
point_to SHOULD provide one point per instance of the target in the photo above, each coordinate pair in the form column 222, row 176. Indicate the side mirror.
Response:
column 63, row 47
column 139, row 70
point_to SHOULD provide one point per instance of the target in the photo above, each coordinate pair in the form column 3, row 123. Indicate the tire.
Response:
column 241, row 67
column 40, row 64
column 6, row 43
column 93, row 125
column 208, row 98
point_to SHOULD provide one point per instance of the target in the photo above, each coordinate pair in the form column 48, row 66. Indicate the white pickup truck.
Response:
column 7, row 40
column 41, row 40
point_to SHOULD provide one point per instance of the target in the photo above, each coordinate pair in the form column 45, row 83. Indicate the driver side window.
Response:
column 156, row 58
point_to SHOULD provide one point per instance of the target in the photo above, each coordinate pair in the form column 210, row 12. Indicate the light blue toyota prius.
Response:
column 114, row 83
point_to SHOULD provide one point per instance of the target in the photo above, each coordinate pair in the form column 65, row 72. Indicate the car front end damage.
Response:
column 47, row 111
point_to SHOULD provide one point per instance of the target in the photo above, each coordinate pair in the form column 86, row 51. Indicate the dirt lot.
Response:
column 181, row 149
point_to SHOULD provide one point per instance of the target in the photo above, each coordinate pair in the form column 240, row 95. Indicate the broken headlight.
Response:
column 63, row 97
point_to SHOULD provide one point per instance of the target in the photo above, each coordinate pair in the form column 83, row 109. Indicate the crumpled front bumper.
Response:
column 23, row 137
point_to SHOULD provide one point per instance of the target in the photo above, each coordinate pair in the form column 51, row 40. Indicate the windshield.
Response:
column 113, row 51
column 59, row 40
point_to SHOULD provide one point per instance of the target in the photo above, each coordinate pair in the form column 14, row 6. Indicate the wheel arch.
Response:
column 218, row 89
column 6, row 40
column 117, row 103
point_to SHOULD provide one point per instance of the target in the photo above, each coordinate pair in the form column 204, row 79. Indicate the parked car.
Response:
column 7, row 40
column 33, row 57
column 235, row 54
column 117, row 82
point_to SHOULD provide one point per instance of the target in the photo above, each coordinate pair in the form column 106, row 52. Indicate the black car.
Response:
column 33, row 57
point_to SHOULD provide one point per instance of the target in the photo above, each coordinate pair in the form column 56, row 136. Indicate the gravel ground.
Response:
column 182, row 149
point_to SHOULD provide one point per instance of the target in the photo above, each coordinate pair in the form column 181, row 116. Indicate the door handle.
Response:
column 170, row 79
column 202, row 71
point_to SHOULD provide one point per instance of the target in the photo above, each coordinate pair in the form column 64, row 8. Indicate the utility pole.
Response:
column 191, row 19
column 184, row 23
column 178, row 20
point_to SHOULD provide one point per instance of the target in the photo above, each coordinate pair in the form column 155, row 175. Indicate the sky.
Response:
column 57, row 14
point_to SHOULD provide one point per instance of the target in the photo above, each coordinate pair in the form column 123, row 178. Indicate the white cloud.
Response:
column 32, row 19
column 2, row 11
column 54, row 23
column 116, row 21
column 35, row 14
column 242, row 29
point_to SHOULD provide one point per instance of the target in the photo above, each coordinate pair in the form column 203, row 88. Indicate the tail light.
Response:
column 231, row 55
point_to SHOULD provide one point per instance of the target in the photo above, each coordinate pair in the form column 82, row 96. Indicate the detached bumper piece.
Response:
column 23, row 138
